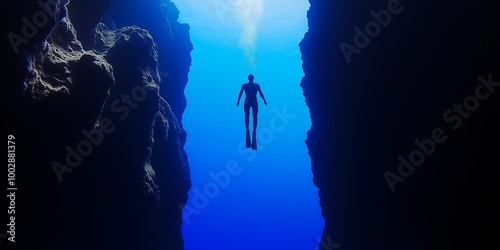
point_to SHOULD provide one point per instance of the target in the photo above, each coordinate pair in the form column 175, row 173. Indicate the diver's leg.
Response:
column 255, row 111
column 247, row 121
column 247, row 116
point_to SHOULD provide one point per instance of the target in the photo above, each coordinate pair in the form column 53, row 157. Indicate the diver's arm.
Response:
column 239, row 95
column 262, row 96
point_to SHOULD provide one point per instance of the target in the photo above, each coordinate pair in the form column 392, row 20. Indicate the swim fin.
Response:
column 254, row 142
column 249, row 143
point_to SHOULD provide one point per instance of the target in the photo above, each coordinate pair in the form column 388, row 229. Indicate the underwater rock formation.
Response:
column 395, row 89
column 101, row 158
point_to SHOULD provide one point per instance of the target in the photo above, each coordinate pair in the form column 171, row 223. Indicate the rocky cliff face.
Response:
column 394, row 90
column 94, row 103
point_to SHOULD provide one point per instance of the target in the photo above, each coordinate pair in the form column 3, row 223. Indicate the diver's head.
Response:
column 250, row 77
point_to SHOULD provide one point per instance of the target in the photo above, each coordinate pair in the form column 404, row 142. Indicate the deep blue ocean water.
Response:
column 244, row 199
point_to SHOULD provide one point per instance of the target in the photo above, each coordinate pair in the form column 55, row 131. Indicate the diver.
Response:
column 251, row 90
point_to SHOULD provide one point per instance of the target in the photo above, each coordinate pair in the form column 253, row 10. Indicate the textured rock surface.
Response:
column 174, row 44
column 366, row 113
column 100, row 158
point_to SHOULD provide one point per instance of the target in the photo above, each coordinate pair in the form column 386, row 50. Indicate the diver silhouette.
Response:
column 251, row 90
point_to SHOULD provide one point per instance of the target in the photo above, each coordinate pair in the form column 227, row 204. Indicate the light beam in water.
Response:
column 248, row 14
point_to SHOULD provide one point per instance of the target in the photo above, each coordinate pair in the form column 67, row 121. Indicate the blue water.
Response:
column 243, row 199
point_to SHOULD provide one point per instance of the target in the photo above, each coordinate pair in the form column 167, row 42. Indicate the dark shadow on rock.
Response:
column 174, row 44
column 395, row 90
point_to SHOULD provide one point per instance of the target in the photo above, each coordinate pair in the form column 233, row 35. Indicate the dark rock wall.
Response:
column 101, row 163
column 172, row 37
column 366, row 113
